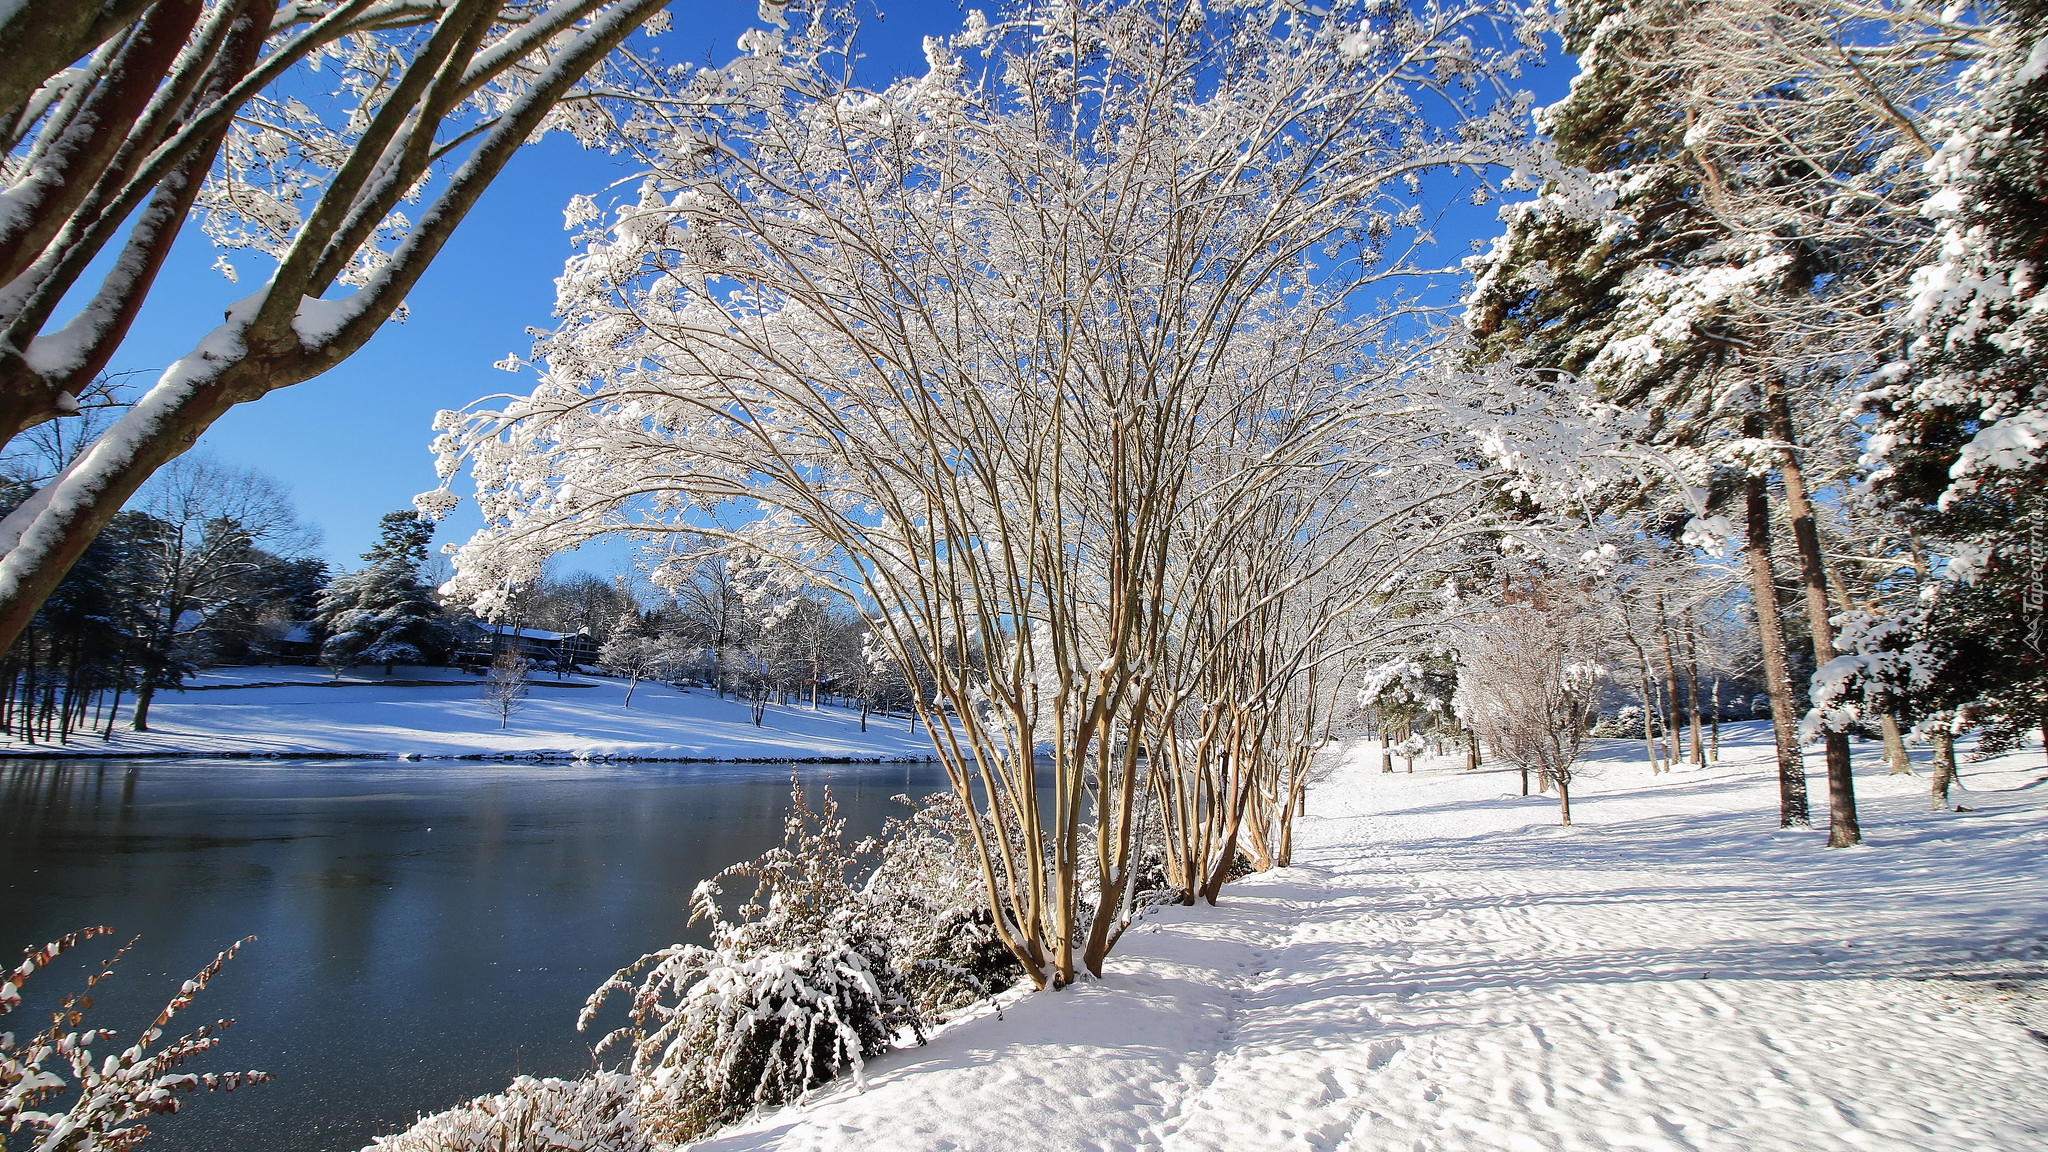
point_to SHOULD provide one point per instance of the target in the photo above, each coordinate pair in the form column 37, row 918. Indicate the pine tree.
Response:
column 1965, row 414
column 1580, row 288
column 1568, row 285
column 385, row 614
column 1725, row 287
column 82, row 643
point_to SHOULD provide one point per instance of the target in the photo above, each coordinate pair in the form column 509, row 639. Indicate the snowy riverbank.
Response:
column 439, row 712
column 1445, row 969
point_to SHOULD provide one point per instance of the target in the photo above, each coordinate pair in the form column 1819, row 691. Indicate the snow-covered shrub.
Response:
column 955, row 961
column 1626, row 723
column 795, row 991
column 593, row 1114
column 1409, row 749
column 113, row 1093
column 929, row 897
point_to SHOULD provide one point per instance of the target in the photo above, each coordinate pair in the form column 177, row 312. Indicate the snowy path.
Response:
column 1443, row 969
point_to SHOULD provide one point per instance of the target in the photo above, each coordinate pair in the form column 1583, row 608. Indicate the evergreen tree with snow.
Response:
column 1962, row 447
column 1571, row 283
column 384, row 613
column 1730, row 276
column 1635, row 291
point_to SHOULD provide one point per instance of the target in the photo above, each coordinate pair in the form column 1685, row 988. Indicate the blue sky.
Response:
column 352, row 444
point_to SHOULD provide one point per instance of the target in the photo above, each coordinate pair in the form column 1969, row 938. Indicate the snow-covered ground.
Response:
column 429, row 712
column 1445, row 969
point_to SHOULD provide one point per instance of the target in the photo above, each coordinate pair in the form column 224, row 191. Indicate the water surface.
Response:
column 425, row 930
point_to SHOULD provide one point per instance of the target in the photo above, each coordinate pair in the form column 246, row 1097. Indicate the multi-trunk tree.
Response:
column 1527, row 675
column 1047, row 359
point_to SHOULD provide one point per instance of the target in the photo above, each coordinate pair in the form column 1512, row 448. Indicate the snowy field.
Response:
column 440, row 712
column 1445, row 969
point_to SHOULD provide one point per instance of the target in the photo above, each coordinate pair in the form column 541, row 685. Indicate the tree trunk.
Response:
column 1944, row 764
column 1649, row 706
column 1692, row 689
column 1894, row 745
column 1387, row 756
column 1763, row 590
column 1843, row 829
column 1714, row 743
column 25, row 710
column 1564, row 802
column 1895, row 753
column 1673, row 720
column 632, row 682
column 139, row 721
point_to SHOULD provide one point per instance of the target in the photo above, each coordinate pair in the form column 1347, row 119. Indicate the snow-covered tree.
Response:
column 1019, row 354
column 631, row 652
column 209, row 528
column 384, row 614
column 1959, row 449
column 505, row 687
column 1760, row 165
column 1526, row 677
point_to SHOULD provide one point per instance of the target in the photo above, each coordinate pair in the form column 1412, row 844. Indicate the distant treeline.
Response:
column 210, row 568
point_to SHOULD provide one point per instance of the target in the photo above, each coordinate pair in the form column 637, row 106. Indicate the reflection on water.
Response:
column 425, row 930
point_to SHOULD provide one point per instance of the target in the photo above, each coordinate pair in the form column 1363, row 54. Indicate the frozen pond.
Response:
column 425, row 930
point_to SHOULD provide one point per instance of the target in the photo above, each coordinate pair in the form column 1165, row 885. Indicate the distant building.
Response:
column 480, row 643
column 297, row 643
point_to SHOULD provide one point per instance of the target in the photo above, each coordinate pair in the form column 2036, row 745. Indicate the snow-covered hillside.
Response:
column 1445, row 969
column 440, row 712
